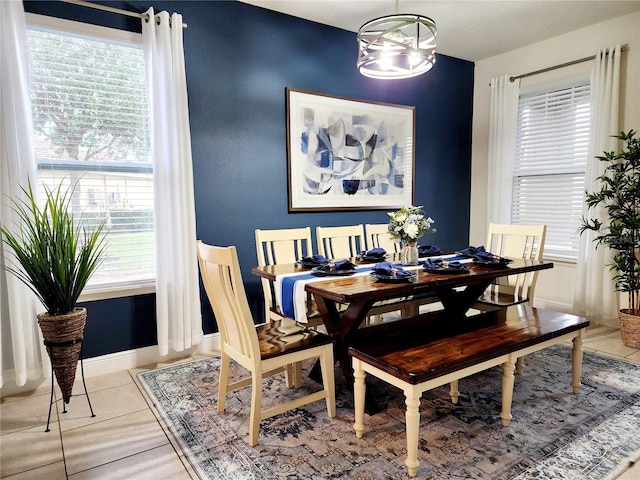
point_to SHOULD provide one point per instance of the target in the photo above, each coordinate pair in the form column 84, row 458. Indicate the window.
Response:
column 91, row 129
column 550, row 162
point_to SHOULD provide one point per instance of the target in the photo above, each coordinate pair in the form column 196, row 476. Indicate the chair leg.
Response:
column 327, row 365
column 223, row 382
column 454, row 393
column 256, row 408
column 520, row 365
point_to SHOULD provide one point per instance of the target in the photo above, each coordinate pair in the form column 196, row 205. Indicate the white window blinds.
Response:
column 551, row 155
column 90, row 118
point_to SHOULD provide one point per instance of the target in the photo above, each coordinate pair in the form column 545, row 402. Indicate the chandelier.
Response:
column 397, row 46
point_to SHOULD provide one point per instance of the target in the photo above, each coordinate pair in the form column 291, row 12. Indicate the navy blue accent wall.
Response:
column 239, row 61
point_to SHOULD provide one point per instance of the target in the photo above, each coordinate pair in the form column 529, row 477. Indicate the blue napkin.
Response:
column 375, row 252
column 471, row 251
column 390, row 270
column 344, row 265
column 428, row 250
column 315, row 260
column 439, row 263
column 339, row 265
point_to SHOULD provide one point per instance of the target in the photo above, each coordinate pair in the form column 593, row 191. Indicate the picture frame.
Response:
column 348, row 154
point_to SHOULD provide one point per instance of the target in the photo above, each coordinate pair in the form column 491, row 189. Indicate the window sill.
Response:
column 116, row 292
column 560, row 260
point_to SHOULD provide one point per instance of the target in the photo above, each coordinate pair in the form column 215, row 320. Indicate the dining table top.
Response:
column 347, row 288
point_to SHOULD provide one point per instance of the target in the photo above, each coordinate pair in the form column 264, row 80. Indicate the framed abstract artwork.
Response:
column 348, row 154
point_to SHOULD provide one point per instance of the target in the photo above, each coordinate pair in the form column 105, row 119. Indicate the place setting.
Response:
column 442, row 265
column 313, row 261
column 391, row 273
column 339, row 268
column 481, row 257
column 372, row 255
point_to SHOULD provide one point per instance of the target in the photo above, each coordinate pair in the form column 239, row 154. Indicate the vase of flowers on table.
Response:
column 408, row 225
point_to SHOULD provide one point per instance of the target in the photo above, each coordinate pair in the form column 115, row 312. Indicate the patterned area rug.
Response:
column 554, row 434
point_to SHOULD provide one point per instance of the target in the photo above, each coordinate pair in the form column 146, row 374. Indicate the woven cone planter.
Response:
column 63, row 339
column 629, row 328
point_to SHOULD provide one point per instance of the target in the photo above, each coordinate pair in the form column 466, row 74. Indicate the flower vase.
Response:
column 409, row 253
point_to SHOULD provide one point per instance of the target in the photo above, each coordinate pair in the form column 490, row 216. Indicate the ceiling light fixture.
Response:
column 397, row 46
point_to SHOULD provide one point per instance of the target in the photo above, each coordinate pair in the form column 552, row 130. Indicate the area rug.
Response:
column 554, row 434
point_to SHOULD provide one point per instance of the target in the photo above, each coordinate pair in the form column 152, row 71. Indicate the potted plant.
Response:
column 55, row 257
column 619, row 194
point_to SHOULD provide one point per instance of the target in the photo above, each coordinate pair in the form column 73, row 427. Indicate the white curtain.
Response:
column 595, row 294
column 502, row 138
column 179, row 319
column 21, row 349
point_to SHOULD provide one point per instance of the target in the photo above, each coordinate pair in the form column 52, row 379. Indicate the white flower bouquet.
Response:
column 409, row 224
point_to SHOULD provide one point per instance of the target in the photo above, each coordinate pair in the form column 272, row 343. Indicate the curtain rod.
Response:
column 106, row 8
column 562, row 65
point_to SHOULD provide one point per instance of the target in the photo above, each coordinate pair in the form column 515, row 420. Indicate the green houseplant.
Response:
column 55, row 257
column 619, row 194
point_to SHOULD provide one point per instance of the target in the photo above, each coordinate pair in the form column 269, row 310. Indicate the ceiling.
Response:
column 471, row 30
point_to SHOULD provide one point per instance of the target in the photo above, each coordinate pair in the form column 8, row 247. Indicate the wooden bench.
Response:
column 422, row 366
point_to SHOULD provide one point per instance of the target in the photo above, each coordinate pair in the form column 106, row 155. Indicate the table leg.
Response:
column 576, row 368
column 457, row 302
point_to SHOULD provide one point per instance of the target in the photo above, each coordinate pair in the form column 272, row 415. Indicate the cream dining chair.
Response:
column 515, row 241
column 287, row 245
column 265, row 349
column 337, row 243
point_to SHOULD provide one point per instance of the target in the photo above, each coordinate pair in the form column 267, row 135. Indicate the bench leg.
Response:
column 359, row 391
column 412, row 420
column 508, row 369
column 454, row 393
column 577, row 362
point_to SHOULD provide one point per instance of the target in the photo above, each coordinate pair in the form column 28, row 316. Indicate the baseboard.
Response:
column 556, row 306
column 115, row 362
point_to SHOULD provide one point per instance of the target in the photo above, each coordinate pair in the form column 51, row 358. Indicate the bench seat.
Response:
column 421, row 367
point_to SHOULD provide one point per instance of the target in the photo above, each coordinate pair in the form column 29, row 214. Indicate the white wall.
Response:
column 555, row 287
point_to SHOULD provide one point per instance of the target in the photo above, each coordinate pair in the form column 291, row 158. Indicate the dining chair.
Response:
column 348, row 242
column 265, row 349
column 515, row 241
column 340, row 242
column 378, row 236
column 287, row 245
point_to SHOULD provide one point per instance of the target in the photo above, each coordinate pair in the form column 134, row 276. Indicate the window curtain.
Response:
column 179, row 319
column 595, row 295
column 21, row 353
column 503, row 119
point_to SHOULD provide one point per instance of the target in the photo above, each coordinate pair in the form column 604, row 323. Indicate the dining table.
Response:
column 345, row 302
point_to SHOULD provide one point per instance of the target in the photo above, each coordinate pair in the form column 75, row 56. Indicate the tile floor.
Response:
column 125, row 440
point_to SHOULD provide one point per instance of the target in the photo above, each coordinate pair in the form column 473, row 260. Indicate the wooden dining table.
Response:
column 344, row 302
